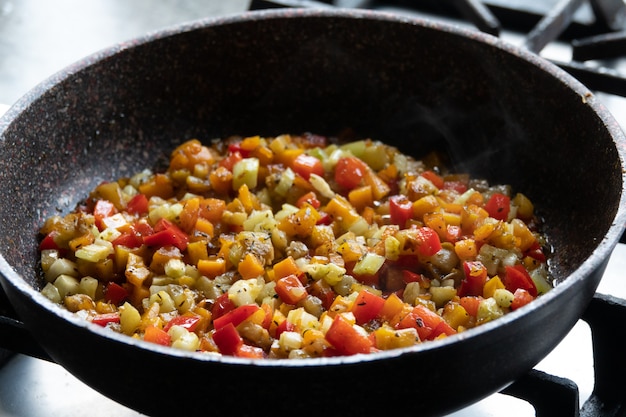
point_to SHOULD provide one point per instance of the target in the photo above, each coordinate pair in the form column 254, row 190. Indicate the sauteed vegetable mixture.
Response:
column 294, row 247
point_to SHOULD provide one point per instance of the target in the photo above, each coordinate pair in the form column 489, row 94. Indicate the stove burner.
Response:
column 551, row 395
column 596, row 34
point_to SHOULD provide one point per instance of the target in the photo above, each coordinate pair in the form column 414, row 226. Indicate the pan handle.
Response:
column 14, row 337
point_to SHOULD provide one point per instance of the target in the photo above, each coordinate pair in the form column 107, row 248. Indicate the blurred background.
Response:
column 40, row 37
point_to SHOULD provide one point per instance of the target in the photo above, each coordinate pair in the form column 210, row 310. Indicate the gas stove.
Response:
column 583, row 376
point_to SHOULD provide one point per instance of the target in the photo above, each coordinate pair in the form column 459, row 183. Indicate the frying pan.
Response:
column 496, row 111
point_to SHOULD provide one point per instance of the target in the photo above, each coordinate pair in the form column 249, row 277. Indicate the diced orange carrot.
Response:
column 212, row 209
column 160, row 186
column 189, row 215
column 221, row 180
column 361, row 197
column 205, row 227
column 466, row 249
column 212, row 266
column 286, row 267
column 250, row 267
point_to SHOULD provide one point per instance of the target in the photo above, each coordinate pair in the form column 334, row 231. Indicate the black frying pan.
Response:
column 497, row 112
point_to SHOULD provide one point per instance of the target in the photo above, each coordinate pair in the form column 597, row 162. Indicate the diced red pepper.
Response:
column 128, row 239
column 290, row 289
column 48, row 241
column 521, row 297
column 433, row 177
column 516, row 277
column 167, row 233
column 349, row 172
column 310, row 198
column 236, row 148
column 475, row 278
column 133, row 238
column 222, row 305
column 410, row 276
column 138, row 204
column 102, row 210
column 189, row 322
column 142, row 229
column 284, row 326
column 428, row 241
column 458, row 186
column 106, row 318
column 153, row 334
column 114, row 293
column 231, row 160
column 498, row 206
column 442, row 328
column 236, row 316
column 247, row 351
column 470, row 304
column 536, row 252
column 305, row 165
column 346, row 339
column 367, row 306
column 227, row 339
column 325, row 219
column 427, row 323
column 400, row 210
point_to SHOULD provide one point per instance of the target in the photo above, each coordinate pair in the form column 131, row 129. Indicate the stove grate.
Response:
column 596, row 32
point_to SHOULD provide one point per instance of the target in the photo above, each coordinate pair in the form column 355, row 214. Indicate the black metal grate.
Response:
column 594, row 33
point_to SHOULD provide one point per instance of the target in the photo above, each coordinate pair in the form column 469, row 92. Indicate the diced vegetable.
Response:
column 295, row 246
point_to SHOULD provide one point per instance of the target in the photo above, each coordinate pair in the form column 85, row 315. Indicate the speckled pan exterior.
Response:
column 496, row 111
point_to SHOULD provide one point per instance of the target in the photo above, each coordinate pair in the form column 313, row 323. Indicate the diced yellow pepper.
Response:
column 491, row 286
column 197, row 250
column 82, row 240
column 466, row 249
column 456, row 316
column 136, row 271
column 470, row 217
column 389, row 338
column 351, row 250
column 425, row 205
column 392, row 306
column 525, row 208
column 249, row 200
column 342, row 211
column 300, row 223
column 340, row 304
column 250, row 143
column 436, row 222
column 525, row 235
